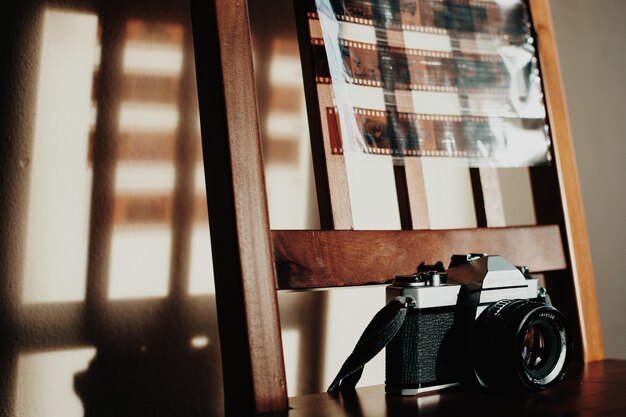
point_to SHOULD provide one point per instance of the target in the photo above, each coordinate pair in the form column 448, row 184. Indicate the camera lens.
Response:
column 520, row 343
column 536, row 347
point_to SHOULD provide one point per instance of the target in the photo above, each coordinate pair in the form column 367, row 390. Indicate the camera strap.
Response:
column 381, row 330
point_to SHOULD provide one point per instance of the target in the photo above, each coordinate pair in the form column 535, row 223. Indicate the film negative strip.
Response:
column 426, row 134
column 453, row 78
column 416, row 69
column 470, row 18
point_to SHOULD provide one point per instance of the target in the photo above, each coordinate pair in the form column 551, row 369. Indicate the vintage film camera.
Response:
column 483, row 321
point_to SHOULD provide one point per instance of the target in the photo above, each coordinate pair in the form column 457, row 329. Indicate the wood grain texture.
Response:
column 331, row 181
column 420, row 218
column 402, row 194
column 492, row 195
column 479, row 198
column 573, row 211
column 312, row 259
column 253, row 369
column 335, row 171
column 488, row 202
column 594, row 390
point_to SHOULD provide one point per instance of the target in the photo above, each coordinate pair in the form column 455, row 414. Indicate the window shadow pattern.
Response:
column 157, row 353
column 143, row 296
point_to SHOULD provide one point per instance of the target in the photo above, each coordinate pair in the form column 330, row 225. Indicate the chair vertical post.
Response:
column 573, row 211
column 250, row 339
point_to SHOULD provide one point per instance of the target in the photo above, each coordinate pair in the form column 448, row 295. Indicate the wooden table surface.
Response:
column 599, row 389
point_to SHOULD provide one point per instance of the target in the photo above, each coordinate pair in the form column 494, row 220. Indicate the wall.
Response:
column 51, row 336
column 591, row 37
column 105, row 268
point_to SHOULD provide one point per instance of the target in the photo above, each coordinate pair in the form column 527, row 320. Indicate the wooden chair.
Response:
column 245, row 251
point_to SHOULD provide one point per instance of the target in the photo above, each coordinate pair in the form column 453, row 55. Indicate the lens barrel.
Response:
column 520, row 344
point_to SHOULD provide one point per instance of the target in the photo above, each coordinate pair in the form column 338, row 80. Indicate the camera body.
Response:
column 483, row 322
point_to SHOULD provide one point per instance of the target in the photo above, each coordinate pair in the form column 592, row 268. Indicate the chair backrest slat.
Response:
column 313, row 258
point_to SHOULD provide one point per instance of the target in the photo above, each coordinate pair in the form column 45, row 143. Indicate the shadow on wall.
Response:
column 165, row 377
column 114, row 311
column 134, row 373
column 105, row 197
